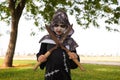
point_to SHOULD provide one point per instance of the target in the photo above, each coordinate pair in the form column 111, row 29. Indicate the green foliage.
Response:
column 4, row 12
column 107, row 9
column 86, row 12
column 24, row 71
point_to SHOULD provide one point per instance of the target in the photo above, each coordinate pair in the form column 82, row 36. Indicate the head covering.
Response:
column 60, row 17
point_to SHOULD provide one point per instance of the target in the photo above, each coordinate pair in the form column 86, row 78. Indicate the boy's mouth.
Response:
column 59, row 32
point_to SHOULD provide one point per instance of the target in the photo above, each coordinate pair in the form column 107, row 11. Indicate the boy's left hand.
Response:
column 72, row 55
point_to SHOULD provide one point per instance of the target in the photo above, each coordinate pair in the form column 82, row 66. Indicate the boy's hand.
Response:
column 72, row 55
column 42, row 58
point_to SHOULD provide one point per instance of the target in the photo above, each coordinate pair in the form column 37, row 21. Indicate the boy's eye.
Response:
column 62, row 26
column 56, row 25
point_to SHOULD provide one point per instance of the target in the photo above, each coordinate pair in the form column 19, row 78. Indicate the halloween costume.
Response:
column 58, row 64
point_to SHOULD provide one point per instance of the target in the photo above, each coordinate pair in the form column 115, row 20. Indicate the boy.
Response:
column 58, row 64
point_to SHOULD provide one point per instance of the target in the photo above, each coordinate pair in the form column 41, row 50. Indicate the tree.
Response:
column 15, row 13
column 86, row 12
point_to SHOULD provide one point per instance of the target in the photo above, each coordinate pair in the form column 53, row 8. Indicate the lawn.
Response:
column 23, row 70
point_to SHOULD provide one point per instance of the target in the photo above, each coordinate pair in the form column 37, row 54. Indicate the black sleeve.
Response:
column 43, row 50
column 72, row 64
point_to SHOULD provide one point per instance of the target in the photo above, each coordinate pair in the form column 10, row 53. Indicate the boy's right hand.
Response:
column 42, row 58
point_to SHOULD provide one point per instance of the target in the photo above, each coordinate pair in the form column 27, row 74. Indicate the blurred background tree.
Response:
column 86, row 12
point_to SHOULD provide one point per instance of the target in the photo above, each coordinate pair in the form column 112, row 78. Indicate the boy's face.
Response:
column 59, row 29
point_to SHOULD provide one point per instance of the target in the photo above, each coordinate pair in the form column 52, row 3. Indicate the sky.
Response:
column 92, row 41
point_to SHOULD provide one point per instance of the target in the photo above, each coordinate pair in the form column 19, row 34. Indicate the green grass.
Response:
column 23, row 70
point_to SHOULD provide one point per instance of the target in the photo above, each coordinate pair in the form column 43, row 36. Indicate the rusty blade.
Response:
column 66, row 34
column 75, row 60
column 60, row 44
column 52, row 35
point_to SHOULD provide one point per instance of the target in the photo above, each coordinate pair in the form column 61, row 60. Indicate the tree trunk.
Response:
column 15, row 15
column 12, row 43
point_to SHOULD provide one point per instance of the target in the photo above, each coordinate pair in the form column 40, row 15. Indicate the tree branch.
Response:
column 20, row 7
column 11, row 4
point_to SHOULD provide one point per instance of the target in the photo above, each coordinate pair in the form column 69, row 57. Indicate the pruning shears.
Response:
column 59, row 43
